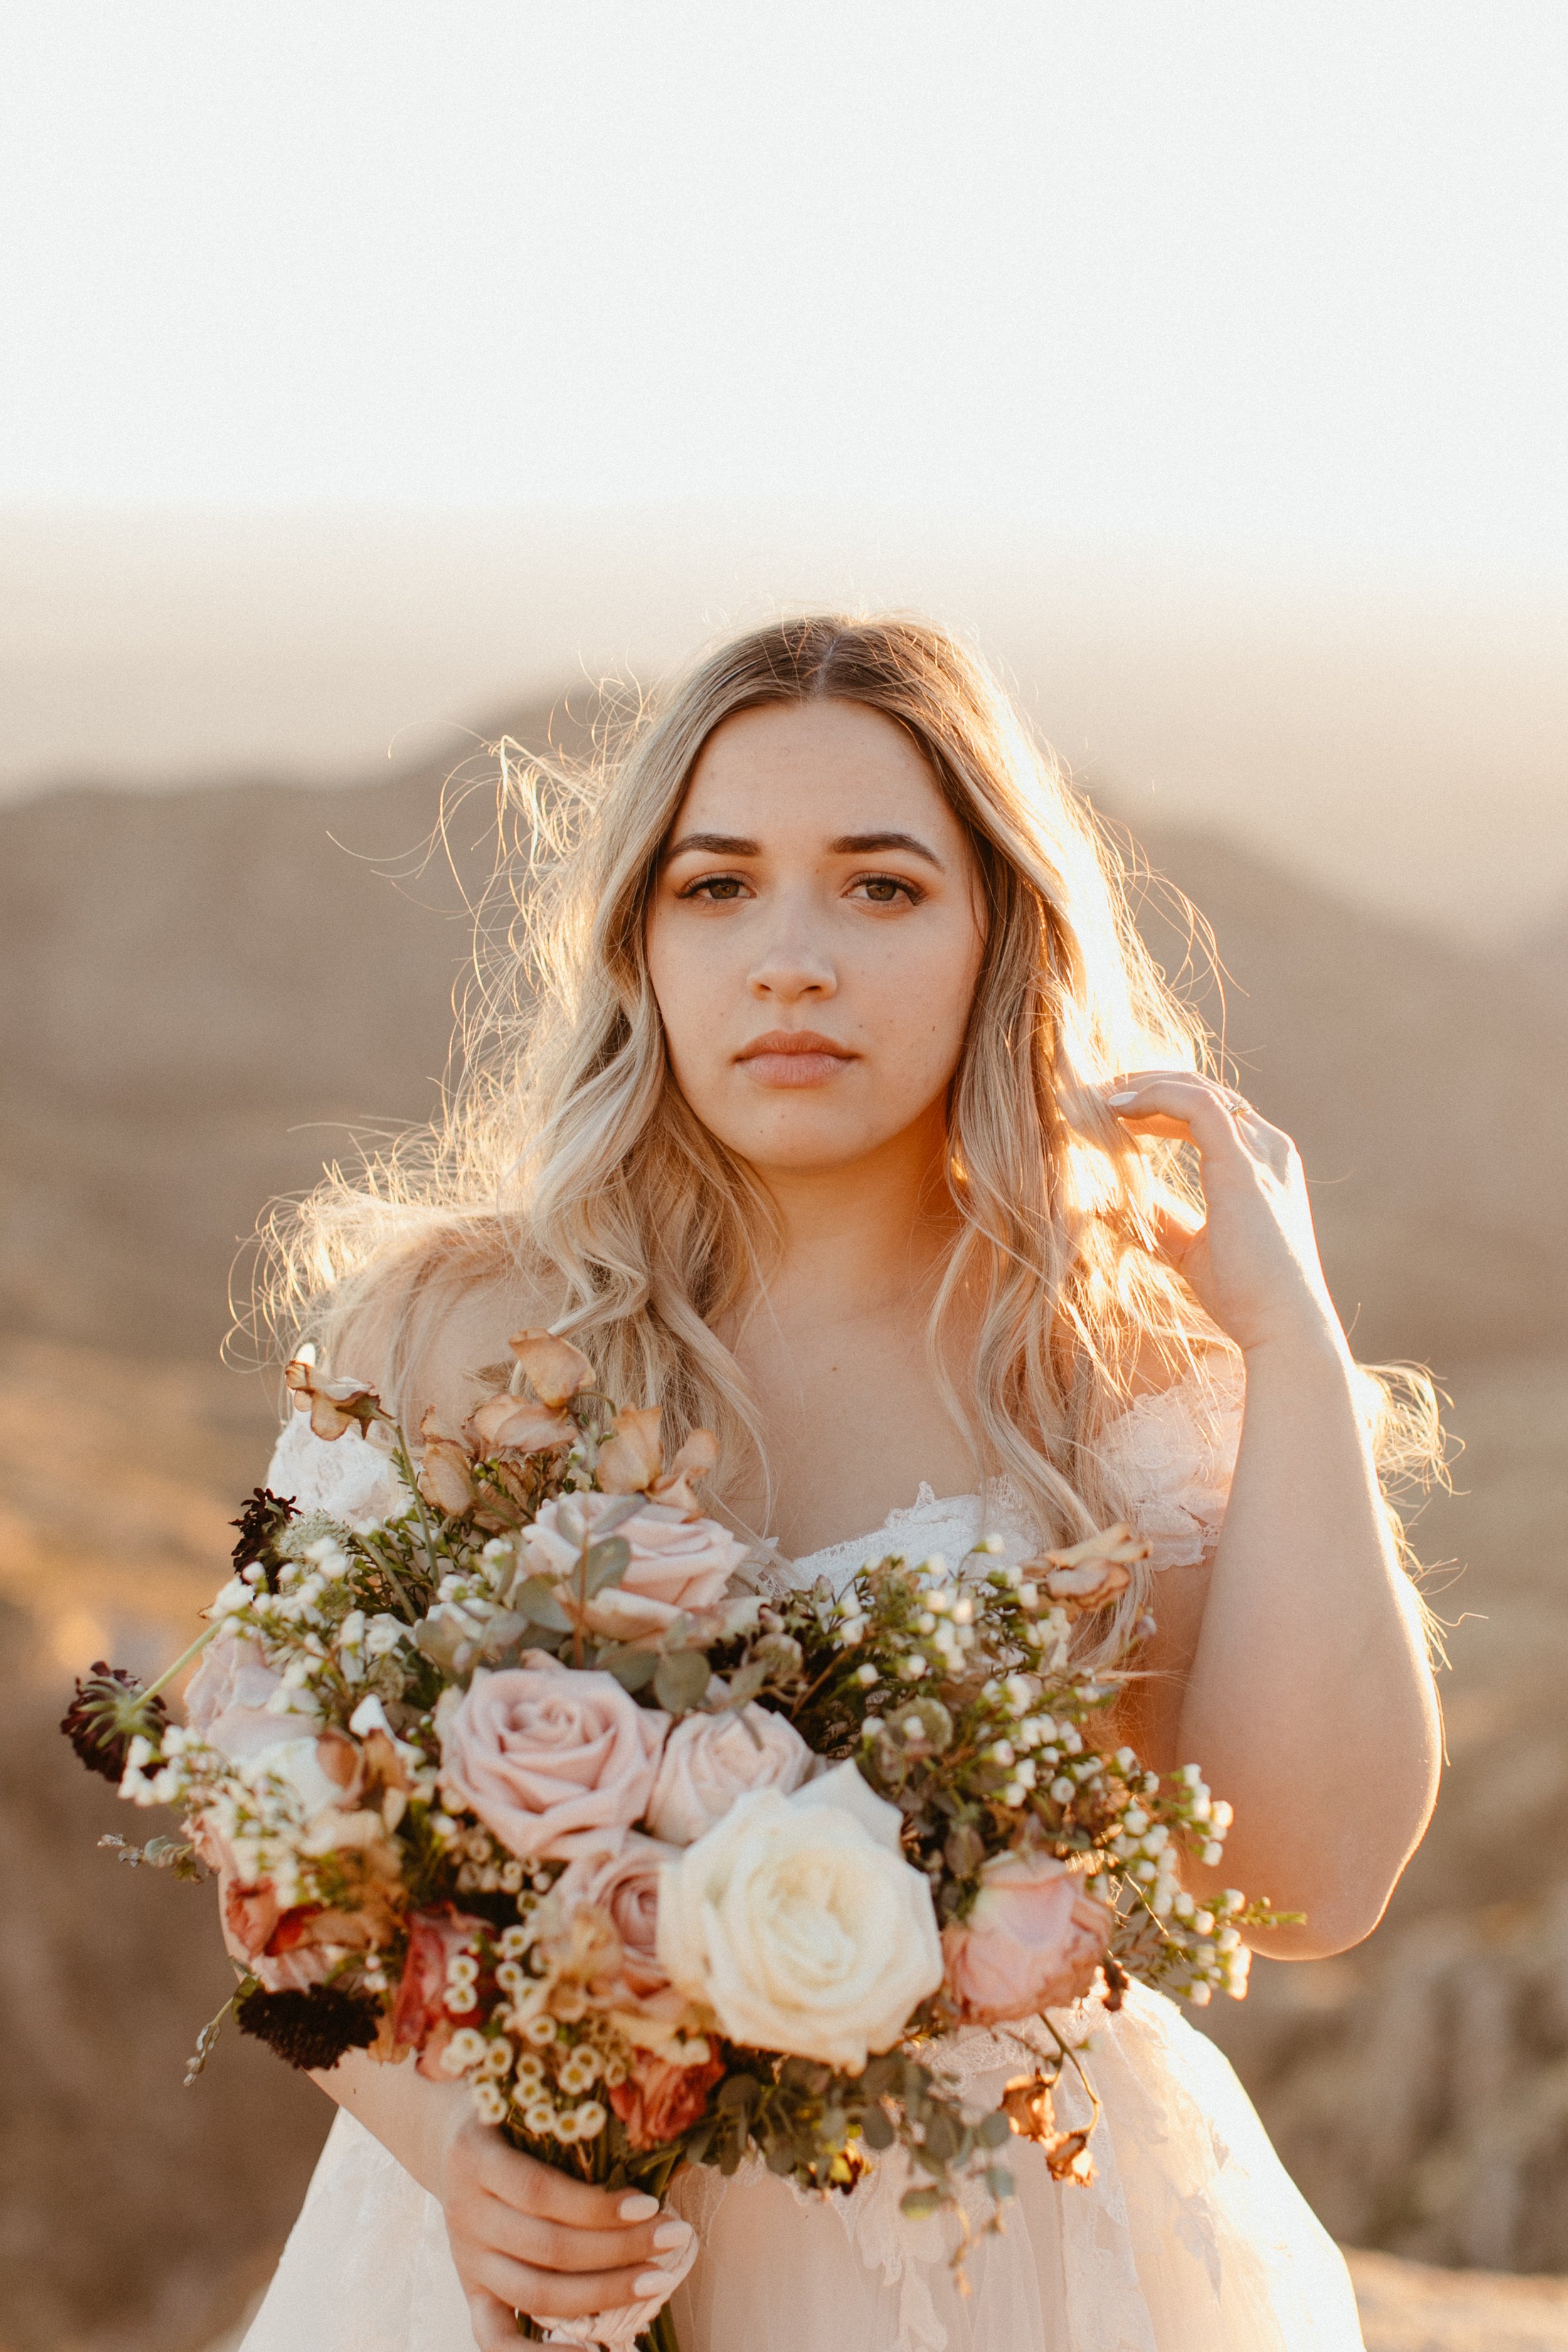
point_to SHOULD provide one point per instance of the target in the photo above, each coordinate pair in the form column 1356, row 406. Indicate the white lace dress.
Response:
column 1190, row 2238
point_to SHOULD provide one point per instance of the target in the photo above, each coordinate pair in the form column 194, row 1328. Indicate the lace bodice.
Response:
column 1170, row 1454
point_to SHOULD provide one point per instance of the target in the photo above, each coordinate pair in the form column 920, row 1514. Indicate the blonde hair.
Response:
column 567, row 1160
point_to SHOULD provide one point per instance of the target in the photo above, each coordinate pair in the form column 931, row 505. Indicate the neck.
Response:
column 862, row 1240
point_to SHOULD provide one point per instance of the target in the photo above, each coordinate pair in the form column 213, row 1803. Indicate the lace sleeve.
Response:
column 348, row 1477
column 1172, row 1456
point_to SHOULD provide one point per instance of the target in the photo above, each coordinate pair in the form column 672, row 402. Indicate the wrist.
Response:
column 1317, row 1351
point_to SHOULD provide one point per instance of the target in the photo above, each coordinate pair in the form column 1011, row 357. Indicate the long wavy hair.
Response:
column 567, row 1165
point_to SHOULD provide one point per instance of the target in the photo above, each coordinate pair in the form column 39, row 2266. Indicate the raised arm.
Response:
column 1293, row 1666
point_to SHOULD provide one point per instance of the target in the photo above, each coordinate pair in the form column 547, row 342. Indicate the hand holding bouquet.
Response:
column 528, row 1783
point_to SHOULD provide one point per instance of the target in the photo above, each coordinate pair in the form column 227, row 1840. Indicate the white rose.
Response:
column 797, row 1921
column 708, row 1761
column 296, row 1763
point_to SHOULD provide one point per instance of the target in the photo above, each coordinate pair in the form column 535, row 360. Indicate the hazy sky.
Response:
column 1227, row 274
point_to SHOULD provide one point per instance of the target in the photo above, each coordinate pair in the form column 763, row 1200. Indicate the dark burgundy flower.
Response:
column 311, row 2029
column 108, row 1710
column 262, row 1521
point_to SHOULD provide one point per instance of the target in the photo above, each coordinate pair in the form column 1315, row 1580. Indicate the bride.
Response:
column 834, row 1103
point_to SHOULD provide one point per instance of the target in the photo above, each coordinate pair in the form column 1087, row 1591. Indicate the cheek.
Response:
column 684, row 983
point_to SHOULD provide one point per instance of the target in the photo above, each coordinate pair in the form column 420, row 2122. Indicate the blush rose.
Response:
column 678, row 1562
column 1033, row 1941
column 555, row 1762
column 708, row 1761
column 625, row 1886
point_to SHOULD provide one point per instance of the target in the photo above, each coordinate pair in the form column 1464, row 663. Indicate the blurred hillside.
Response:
column 207, row 992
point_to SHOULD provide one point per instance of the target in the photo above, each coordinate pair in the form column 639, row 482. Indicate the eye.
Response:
column 717, row 889
column 886, row 890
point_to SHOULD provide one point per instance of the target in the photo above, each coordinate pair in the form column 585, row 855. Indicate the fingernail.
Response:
column 650, row 2282
column 638, row 2208
column 1116, row 1101
column 672, row 2233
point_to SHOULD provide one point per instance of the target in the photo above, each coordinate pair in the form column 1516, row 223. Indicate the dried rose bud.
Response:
column 446, row 1477
column 631, row 1457
column 555, row 1368
column 513, row 1424
column 1029, row 2107
column 695, row 1460
column 1090, row 1575
column 335, row 1405
column 108, row 1710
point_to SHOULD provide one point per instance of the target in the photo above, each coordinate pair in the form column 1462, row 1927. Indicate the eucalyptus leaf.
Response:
column 999, row 2182
column 680, row 1681
column 606, row 1563
column 920, row 2204
column 993, row 2131
column 503, row 1629
column 535, row 1598
column 876, row 2129
column 632, row 1669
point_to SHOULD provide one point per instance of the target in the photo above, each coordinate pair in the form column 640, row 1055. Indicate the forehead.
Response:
column 815, row 764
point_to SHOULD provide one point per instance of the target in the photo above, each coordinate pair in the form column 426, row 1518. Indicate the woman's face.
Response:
column 814, row 937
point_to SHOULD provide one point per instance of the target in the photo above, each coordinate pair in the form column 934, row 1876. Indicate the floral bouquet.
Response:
column 534, row 1783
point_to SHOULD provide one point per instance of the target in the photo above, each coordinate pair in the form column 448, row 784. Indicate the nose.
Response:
column 793, row 967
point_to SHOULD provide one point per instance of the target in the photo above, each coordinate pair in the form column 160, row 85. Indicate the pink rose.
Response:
column 708, row 1761
column 1033, row 1941
column 626, row 1886
column 553, row 1761
column 661, row 2100
column 227, row 1699
column 678, row 1562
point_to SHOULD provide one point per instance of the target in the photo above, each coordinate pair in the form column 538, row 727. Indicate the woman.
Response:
column 833, row 1102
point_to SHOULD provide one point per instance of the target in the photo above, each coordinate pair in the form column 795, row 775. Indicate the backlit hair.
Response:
column 568, row 1166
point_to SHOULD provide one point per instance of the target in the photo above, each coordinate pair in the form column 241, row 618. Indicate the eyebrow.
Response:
column 848, row 844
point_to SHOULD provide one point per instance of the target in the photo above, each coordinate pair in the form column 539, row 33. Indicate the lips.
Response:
column 793, row 1058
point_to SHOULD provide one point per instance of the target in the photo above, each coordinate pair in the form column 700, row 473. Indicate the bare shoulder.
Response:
column 435, row 1337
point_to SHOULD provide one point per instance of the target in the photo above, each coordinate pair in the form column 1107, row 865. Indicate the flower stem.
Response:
column 167, row 1676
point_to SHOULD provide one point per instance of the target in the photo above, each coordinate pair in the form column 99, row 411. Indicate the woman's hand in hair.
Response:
column 1252, row 1263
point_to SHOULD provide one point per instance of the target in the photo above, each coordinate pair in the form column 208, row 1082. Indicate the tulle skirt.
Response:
column 1190, row 2238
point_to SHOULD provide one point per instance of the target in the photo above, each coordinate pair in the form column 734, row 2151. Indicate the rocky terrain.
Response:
column 208, row 993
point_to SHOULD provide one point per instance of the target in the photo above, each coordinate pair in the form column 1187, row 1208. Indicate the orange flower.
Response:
column 555, row 1369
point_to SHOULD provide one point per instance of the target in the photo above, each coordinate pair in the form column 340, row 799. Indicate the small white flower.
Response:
column 911, row 1668
column 590, row 2120
column 963, row 1610
column 1213, row 1854
column 866, row 1677
column 489, row 2103
column 1064, row 1790
column 466, row 2048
